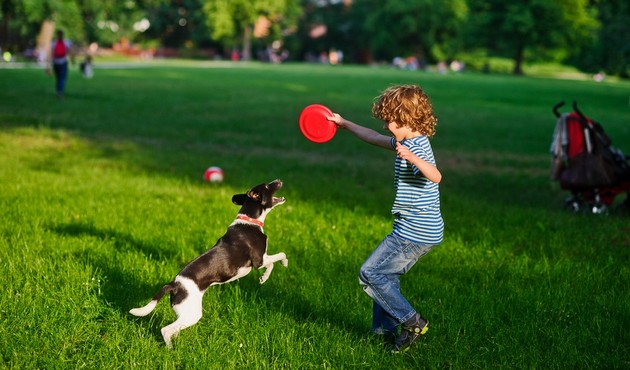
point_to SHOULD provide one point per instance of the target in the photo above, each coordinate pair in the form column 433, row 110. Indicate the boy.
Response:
column 418, row 225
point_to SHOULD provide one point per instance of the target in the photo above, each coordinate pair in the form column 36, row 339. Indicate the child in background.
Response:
column 86, row 67
column 418, row 225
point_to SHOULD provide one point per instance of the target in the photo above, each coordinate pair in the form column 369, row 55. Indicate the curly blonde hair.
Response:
column 408, row 106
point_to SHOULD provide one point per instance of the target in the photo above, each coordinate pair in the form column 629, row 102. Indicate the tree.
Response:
column 109, row 21
column 21, row 20
column 326, row 25
column 514, row 27
column 610, row 52
column 233, row 19
column 427, row 28
column 179, row 23
column 82, row 20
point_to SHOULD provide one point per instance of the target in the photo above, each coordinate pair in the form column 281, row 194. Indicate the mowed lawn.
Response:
column 102, row 202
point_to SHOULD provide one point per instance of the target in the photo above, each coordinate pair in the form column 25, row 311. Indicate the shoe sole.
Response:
column 421, row 334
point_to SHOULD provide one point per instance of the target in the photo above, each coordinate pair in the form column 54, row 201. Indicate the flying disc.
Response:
column 314, row 124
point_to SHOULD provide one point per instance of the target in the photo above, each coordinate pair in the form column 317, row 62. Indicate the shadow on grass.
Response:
column 122, row 242
column 124, row 291
column 121, row 289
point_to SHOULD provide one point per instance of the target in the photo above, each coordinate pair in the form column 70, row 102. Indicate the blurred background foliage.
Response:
column 590, row 35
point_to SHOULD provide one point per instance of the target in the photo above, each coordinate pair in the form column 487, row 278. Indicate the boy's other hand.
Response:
column 403, row 152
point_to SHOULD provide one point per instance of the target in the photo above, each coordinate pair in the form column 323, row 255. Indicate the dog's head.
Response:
column 257, row 202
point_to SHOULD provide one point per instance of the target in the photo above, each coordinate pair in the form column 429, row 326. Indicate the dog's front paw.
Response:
column 263, row 278
column 284, row 262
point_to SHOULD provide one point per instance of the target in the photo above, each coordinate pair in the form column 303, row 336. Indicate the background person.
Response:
column 86, row 67
column 60, row 51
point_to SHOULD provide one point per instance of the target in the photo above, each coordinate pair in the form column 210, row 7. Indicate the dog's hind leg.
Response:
column 189, row 316
column 187, row 306
column 268, row 262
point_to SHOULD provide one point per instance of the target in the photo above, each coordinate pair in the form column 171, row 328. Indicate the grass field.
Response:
column 102, row 202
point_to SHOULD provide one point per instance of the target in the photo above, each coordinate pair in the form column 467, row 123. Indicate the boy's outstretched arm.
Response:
column 366, row 134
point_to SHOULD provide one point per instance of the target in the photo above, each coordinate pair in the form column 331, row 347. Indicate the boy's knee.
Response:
column 364, row 276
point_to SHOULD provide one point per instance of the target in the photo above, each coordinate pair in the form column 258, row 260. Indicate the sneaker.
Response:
column 410, row 333
column 386, row 337
column 389, row 338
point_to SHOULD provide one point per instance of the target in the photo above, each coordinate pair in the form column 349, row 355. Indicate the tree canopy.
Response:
column 230, row 19
column 538, row 26
column 590, row 34
column 422, row 27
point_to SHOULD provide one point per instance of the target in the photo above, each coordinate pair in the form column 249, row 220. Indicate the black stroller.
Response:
column 585, row 163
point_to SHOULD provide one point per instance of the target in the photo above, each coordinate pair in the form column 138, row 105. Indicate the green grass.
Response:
column 102, row 202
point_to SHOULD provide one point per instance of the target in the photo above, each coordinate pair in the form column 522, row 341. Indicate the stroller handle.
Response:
column 556, row 107
column 575, row 109
column 578, row 111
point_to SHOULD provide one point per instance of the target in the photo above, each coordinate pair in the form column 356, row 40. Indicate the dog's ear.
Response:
column 239, row 199
column 254, row 195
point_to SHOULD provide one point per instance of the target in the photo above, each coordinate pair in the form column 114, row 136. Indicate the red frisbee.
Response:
column 315, row 126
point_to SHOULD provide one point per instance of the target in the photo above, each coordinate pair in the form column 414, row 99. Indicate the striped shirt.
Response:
column 416, row 206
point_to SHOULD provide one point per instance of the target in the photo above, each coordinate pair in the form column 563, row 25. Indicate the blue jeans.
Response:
column 61, row 74
column 380, row 279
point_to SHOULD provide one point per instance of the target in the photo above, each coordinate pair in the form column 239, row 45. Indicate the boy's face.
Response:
column 399, row 133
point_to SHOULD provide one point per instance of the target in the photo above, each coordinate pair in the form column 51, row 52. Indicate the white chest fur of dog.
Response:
column 242, row 248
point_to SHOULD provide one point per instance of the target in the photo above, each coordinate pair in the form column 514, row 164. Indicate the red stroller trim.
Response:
column 575, row 135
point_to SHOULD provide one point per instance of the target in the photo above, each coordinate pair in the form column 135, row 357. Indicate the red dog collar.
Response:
column 249, row 219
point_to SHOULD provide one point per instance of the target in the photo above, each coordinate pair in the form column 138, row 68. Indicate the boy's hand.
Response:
column 336, row 119
column 403, row 152
column 427, row 169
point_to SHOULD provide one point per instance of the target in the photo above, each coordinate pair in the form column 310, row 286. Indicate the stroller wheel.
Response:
column 573, row 204
column 599, row 209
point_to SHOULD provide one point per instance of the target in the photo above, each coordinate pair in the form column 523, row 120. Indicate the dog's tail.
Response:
column 143, row 311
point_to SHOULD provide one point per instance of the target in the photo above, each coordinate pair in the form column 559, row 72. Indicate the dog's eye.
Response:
column 254, row 195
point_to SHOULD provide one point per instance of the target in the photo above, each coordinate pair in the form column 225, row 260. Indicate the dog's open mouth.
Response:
column 277, row 201
column 276, row 185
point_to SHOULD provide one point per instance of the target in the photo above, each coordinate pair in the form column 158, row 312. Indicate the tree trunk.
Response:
column 247, row 43
column 4, row 32
column 364, row 56
column 44, row 40
column 518, row 60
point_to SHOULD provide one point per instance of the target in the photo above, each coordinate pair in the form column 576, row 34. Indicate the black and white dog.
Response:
column 243, row 247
